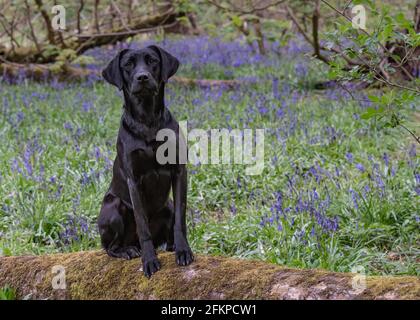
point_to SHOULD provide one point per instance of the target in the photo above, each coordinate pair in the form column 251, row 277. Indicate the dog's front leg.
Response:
column 183, row 252
column 150, row 261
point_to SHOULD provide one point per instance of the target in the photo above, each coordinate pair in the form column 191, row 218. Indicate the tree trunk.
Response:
column 94, row 275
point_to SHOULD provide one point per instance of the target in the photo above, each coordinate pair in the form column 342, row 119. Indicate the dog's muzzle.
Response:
column 144, row 84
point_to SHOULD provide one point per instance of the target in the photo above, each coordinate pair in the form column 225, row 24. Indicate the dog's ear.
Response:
column 112, row 73
column 169, row 64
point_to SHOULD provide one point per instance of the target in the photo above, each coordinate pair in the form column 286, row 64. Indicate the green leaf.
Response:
column 372, row 112
column 402, row 21
column 237, row 21
column 374, row 99
column 407, row 96
column 386, row 33
column 396, row 57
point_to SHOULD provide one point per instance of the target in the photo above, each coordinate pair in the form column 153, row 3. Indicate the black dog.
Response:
column 137, row 215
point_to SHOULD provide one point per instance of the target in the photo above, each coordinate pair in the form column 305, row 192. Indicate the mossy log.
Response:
column 68, row 73
column 41, row 72
column 94, row 275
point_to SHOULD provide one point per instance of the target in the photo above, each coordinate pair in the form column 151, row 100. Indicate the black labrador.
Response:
column 137, row 215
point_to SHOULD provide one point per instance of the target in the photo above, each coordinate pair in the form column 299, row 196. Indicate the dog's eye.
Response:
column 128, row 64
column 152, row 61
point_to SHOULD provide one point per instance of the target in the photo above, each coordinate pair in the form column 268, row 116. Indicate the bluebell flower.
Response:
column 27, row 161
column 417, row 177
column 360, row 167
column 68, row 126
column 412, row 151
column 354, row 197
column 386, row 159
column 97, row 153
column 275, row 88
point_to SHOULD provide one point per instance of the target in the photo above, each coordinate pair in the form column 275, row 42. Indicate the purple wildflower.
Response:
column 68, row 126
column 354, row 197
column 386, row 159
column 27, row 161
column 360, row 167
column 412, row 151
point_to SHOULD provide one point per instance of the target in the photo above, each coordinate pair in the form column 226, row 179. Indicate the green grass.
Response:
column 66, row 137
column 7, row 293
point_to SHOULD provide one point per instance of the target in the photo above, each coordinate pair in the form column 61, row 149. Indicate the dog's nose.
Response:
column 142, row 76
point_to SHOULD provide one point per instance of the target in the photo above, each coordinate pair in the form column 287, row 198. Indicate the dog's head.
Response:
column 141, row 72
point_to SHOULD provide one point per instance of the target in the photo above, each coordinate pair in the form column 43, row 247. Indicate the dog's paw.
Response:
column 184, row 256
column 150, row 266
column 126, row 253
column 133, row 252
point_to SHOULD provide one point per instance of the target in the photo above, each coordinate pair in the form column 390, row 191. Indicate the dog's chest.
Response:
column 156, row 178
column 156, row 182
column 144, row 160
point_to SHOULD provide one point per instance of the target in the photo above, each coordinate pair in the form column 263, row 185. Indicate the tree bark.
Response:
column 94, row 275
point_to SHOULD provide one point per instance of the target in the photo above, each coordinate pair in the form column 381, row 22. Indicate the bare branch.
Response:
column 125, row 33
column 95, row 14
column 120, row 15
column 315, row 24
column 130, row 6
column 396, row 85
column 298, row 26
column 79, row 10
column 410, row 132
column 46, row 17
column 255, row 9
column 417, row 17
column 31, row 27
column 9, row 28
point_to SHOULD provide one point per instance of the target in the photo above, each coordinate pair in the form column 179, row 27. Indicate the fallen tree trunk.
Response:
column 86, row 42
column 40, row 72
column 94, row 275
column 68, row 73
column 80, row 43
column 207, row 83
